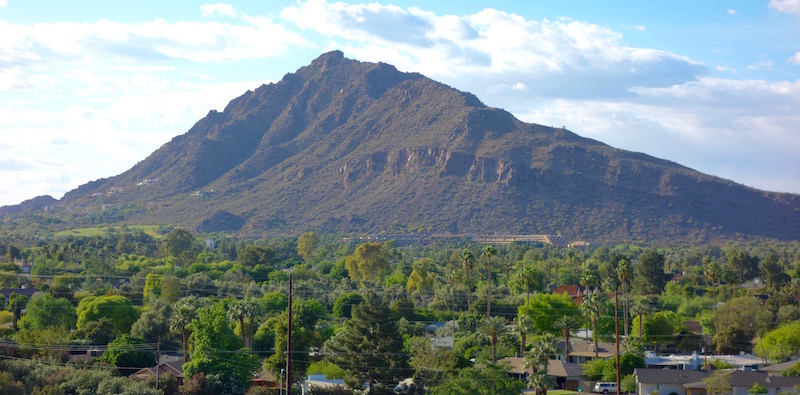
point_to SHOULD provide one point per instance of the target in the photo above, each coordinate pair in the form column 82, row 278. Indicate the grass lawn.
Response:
column 151, row 230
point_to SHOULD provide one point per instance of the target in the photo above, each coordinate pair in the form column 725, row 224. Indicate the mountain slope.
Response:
column 349, row 146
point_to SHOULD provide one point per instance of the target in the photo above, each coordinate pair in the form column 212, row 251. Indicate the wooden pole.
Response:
column 289, row 343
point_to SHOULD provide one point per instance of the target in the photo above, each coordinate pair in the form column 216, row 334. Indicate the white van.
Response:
column 605, row 388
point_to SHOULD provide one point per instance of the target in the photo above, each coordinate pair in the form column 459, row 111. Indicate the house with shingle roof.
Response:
column 567, row 375
column 742, row 381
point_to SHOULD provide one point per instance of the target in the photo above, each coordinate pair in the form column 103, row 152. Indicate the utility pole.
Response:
column 289, row 343
column 158, row 359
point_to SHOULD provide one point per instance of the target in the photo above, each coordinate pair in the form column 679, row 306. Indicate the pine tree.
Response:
column 369, row 347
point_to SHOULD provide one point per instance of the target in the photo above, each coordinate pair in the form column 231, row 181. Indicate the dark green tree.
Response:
column 344, row 303
column 650, row 277
column 369, row 347
column 45, row 311
column 130, row 353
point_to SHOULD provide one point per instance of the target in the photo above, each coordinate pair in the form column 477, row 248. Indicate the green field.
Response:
column 152, row 230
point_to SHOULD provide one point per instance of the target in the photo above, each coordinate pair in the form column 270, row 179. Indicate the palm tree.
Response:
column 712, row 273
column 252, row 310
column 566, row 324
column 468, row 258
column 537, row 361
column 731, row 278
column 523, row 324
column 452, row 275
column 182, row 316
column 237, row 311
column 611, row 284
column 489, row 252
column 587, row 281
column 624, row 273
column 593, row 305
column 493, row 328
column 527, row 274
column 640, row 307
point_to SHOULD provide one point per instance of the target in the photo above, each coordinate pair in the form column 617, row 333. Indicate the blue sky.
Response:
column 87, row 90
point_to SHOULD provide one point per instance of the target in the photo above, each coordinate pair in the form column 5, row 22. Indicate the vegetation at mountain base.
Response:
column 364, row 311
column 343, row 146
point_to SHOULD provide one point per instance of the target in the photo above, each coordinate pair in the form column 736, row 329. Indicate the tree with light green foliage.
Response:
column 45, row 311
column 116, row 308
column 306, row 244
column 781, row 343
column 545, row 309
column 368, row 263
column 219, row 352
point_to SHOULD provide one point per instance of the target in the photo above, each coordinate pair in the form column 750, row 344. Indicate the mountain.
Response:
column 348, row 146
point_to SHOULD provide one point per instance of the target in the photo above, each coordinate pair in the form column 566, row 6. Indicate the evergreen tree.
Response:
column 369, row 347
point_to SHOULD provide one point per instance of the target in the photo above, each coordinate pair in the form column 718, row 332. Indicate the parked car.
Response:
column 605, row 388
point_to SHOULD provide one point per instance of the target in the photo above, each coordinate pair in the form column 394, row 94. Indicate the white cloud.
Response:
column 640, row 28
column 560, row 58
column 219, row 8
column 731, row 11
column 794, row 59
column 786, row 6
column 3, row 3
column 762, row 65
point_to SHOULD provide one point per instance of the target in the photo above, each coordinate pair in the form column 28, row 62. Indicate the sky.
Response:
column 90, row 88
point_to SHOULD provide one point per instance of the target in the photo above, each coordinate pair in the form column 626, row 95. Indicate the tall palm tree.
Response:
column 593, row 305
column 712, row 273
column 640, row 307
column 527, row 274
column 566, row 324
column 731, row 279
column 468, row 260
column 624, row 273
column 452, row 275
column 489, row 252
column 523, row 324
column 536, row 361
column 237, row 311
column 611, row 284
column 493, row 328
column 182, row 316
column 252, row 310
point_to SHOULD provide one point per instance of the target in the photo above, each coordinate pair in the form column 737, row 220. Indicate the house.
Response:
column 576, row 292
column 567, row 375
column 319, row 380
column 666, row 381
column 582, row 350
column 166, row 364
column 685, row 362
column 742, row 381
column 778, row 368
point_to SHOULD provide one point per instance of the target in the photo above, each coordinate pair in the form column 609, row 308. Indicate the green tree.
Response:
column 650, row 277
column 306, row 244
column 468, row 262
column 129, row 352
column 218, row 351
column 118, row 309
column 153, row 323
column 489, row 252
column 45, row 311
column 252, row 255
column 369, row 346
column 544, row 309
column 368, row 263
column 593, row 306
column 781, row 343
column 423, row 277
column 713, row 273
column 344, row 303
column 493, row 328
column 488, row 380
column 179, row 323
column 536, row 362
column 718, row 383
column 566, row 324
column 16, row 303
column 178, row 243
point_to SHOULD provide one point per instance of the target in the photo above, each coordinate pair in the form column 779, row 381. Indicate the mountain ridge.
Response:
column 348, row 146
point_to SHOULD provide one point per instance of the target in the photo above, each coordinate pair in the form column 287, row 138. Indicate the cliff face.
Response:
column 347, row 146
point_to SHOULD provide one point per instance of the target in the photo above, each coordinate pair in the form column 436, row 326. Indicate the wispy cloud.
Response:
column 762, row 65
column 640, row 28
column 731, row 11
column 786, row 6
column 795, row 59
column 219, row 9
